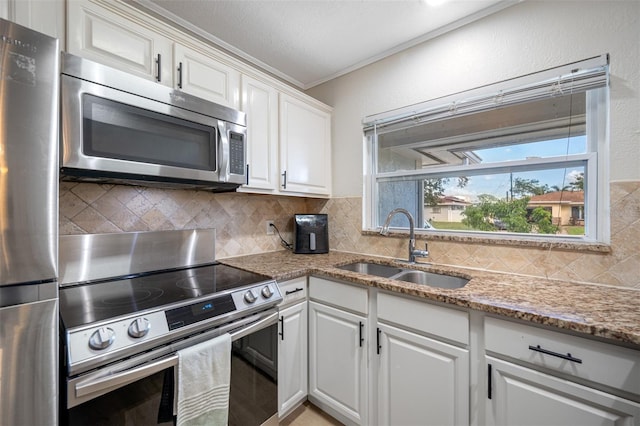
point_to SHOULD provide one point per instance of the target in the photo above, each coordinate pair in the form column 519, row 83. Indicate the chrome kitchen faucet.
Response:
column 413, row 253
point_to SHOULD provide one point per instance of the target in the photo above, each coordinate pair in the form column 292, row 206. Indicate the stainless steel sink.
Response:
column 408, row 275
column 431, row 279
column 372, row 269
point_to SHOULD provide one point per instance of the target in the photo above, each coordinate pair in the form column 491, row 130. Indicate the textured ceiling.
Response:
column 307, row 42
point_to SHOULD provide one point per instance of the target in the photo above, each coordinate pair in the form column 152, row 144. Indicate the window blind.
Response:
column 576, row 77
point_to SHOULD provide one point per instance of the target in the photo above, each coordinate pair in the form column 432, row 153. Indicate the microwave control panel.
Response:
column 236, row 153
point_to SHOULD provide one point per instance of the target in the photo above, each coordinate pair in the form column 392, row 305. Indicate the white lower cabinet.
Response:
column 421, row 381
column 423, row 362
column 292, row 358
column 383, row 358
column 522, row 396
column 338, row 362
column 292, row 346
column 541, row 377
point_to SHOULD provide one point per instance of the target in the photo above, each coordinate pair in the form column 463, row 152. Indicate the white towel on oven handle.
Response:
column 203, row 383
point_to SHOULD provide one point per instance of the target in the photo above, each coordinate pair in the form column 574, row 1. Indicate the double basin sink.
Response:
column 409, row 275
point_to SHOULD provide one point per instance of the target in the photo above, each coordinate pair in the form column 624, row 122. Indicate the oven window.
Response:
column 135, row 404
column 254, row 376
column 115, row 130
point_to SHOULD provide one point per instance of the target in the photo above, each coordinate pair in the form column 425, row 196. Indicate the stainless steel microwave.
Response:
column 120, row 128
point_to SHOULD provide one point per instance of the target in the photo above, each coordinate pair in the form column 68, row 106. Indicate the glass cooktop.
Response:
column 88, row 303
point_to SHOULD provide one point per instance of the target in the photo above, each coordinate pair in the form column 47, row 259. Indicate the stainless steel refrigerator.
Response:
column 29, row 85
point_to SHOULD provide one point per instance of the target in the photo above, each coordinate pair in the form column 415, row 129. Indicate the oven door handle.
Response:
column 124, row 377
column 136, row 373
column 244, row 331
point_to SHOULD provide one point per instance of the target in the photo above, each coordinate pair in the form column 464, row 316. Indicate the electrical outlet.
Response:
column 269, row 227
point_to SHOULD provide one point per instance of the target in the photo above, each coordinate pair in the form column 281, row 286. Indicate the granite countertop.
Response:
column 606, row 312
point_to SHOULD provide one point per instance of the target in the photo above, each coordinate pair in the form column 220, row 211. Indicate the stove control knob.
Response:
column 102, row 338
column 139, row 327
column 250, row 296
column 267, row 291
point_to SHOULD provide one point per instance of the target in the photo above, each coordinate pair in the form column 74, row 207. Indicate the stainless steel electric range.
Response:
column 130, row 301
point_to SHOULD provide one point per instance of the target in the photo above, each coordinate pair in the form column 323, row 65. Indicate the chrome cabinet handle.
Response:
column 159, row 66
column 568, row 356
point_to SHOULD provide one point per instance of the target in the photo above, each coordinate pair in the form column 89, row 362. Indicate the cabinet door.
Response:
column 292, row 358
column 421, row 380
column 305, row 147
column 338, row 361
column 106, row 37
column 203, row 76
column 46, row 17
column 522, row 396
column 260, row 102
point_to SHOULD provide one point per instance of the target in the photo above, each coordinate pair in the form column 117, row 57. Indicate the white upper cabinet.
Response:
column 111, row 39
column 260, row 102
column 201, row 75
column 305, row 147
column 289, row 133
column 46, row 17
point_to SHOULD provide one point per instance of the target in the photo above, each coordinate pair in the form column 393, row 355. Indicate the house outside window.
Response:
column 518, row 157
column 448, row 210
column 566, row 207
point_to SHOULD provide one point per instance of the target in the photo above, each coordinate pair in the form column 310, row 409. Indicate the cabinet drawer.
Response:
column 586, row 359
column 343, row 295
column 293, row 290
column 448, row 323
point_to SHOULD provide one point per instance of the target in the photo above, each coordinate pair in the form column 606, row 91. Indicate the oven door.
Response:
column 135, row 391
column 117, row 134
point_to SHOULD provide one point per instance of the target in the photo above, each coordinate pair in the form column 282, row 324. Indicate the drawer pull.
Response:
column 288, row 292
column 568, row 356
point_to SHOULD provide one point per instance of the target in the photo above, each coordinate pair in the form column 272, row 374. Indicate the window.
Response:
column 517, row 157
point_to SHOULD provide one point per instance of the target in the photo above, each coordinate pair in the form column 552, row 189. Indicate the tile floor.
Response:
column 308, row 415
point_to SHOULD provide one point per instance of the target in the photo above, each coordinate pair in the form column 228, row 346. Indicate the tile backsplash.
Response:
column 239, row 219
column 240, row 222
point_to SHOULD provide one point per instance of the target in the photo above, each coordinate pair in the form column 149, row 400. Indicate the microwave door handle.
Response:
column 223, row 152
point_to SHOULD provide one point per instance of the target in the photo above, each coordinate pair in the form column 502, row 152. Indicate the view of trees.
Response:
column 491, row 213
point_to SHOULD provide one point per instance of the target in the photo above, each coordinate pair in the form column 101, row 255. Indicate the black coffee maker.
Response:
column 311, row 233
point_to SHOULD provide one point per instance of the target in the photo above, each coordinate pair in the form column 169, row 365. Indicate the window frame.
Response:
column 595, row 160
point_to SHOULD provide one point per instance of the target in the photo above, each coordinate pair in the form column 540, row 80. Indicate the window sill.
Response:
column 503, row 240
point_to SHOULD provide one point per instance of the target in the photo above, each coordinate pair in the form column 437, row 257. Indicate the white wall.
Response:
column 528, row 37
